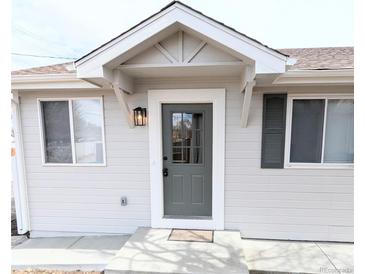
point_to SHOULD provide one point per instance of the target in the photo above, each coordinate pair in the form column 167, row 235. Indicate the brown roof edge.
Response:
column 166, row 7
column 49, row 69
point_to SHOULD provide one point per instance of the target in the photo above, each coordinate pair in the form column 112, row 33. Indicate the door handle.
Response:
column 165, row 172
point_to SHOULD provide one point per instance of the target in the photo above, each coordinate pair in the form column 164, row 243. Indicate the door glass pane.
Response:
column 56, row 128
column 87, row 116
column 187, row 155
column 187, row 139
column 307, row 131
column 187, row 125
column 339, row 140
column 177, row 155
column 197, row 120
column 177, row 129
column 197, row 155
column 196, row 138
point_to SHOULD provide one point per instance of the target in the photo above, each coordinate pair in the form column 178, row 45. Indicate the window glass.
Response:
column 339, row 139
column 56, row 129
column 87, row 119
column 307, row 130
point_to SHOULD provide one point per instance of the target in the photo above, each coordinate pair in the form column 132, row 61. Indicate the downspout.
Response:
column 18, row 170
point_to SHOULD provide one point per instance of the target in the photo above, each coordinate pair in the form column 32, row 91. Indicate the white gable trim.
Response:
column 233, row 33
column 166, row 22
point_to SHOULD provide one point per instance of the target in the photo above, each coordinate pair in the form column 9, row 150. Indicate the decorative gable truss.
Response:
column 181, row 49
column 176, row 51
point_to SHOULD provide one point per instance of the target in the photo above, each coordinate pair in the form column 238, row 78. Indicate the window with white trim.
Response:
column 72, row 131
column 321, row 131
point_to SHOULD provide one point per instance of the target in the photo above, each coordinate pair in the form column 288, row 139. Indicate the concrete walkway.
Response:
column 67, row 253
column 147, row 251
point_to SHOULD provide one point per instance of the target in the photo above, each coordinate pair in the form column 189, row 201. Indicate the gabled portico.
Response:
column 178, row 41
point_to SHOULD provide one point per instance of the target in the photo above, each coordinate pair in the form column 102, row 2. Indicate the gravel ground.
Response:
column 38, row 271
column 17, row 240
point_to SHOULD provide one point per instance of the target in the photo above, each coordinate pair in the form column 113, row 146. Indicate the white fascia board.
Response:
column 49, row 81
column 233, row 33
column 267, row 60
column 123, row 44
column 122, row 37
column 313, row 77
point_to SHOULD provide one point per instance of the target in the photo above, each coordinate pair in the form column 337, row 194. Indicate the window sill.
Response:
column 73, row 165
column 318, row 166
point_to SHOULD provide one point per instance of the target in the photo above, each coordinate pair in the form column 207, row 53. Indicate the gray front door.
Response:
column 187, row 160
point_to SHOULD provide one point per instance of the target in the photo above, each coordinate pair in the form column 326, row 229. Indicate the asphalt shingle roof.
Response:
column 52, row 69
column 322, row 58
column 330, row 58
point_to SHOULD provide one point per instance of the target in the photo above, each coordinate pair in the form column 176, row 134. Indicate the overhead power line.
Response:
column 42, row 40
column 43, row 56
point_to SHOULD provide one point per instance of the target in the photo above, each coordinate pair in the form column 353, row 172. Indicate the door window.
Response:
column 187, row 141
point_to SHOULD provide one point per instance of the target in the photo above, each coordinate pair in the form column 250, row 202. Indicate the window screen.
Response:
column 56, row 128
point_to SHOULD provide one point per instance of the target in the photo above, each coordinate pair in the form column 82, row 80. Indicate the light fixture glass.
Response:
column 140, row 116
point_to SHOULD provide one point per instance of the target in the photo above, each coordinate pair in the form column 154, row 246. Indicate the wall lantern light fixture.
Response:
column 140, row 116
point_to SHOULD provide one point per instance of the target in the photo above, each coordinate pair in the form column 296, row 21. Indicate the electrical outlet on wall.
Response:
column 123, row 201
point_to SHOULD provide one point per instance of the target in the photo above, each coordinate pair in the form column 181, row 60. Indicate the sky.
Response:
column 72, row 28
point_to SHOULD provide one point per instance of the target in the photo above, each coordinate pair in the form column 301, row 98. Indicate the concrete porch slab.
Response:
column 67, row 253
column 291, row 257
column 340, row 254
column 149, row 251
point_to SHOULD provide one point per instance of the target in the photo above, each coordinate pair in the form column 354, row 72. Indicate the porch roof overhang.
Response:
column 177, row 16
column 107, row 65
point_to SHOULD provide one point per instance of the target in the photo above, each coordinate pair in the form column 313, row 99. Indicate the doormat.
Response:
column 188, row 235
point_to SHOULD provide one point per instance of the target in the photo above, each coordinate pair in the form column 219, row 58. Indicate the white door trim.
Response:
column 155, row 100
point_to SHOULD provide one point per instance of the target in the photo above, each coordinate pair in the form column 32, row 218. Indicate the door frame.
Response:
column 155, row 100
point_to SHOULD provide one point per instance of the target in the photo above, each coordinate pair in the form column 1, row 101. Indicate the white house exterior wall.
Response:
column 300, row 204
column 87, row 199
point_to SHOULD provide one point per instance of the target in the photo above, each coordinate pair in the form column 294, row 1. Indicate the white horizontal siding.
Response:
column 87, row 199
column 302, row 204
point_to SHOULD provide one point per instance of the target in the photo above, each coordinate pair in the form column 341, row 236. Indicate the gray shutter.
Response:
column 273, row 130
